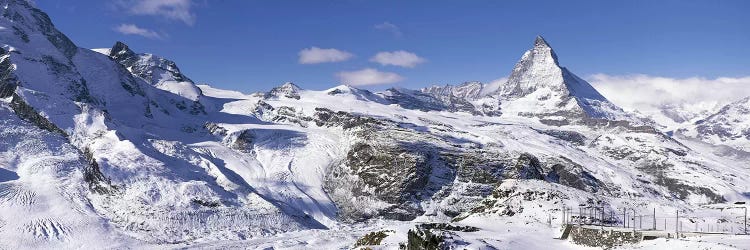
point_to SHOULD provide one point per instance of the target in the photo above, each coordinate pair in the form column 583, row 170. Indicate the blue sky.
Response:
column 254, row 45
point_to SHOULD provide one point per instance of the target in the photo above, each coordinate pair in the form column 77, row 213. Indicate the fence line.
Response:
column 638, row 220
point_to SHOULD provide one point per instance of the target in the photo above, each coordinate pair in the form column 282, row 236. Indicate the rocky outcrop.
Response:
column 8, row 80
column 729, row 126
column 327, row 118
column 36, row 21
column 526, row 167
column 373, row 238
column 427, row 101
column 93, row 176
column 435, row 236
column 287, row 90
column 467, row 90
column 573, row 137
column 27, row 113
column 575, row 176
column 411, row 99
column 393, row 178
column 243, row 141
column 146, row 66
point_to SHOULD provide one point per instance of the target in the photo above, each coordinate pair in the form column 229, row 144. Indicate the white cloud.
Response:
column 389, row 27
column 179, row 10
column 398, row 58
column 645, row 93
column 367, row 76
column 132, row 29
column 315, row 55
column 494, row 85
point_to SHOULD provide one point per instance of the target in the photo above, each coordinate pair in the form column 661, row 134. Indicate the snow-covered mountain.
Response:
column 674, row 116
column 114, row 148
column 539, row 86
column 467, row 90
column 158, row 71
column 730, row 126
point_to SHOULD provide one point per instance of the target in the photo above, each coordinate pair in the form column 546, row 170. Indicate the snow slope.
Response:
column 730, row 126
column 113, row 148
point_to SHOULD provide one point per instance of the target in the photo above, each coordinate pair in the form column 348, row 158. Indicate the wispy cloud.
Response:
column 389, row 27
column 315, row 55
column 644, row 92
column 494, row 85
column 398, row 58
column 180, row 10
column 132, row 29
column 367, row 76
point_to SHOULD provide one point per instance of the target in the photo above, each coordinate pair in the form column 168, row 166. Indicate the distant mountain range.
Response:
column 113, row 148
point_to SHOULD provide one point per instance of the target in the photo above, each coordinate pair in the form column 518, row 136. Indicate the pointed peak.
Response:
column 540, row 42
column 543, row 49
column 345, row 87
column 120, row 46
column 290, row 85
column 288, row 90
column 120, row 49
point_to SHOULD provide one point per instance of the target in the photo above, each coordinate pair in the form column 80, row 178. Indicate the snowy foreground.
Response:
column 111, row 148
column 494, row 234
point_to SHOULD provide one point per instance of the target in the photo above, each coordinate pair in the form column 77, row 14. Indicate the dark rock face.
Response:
column 98, row 183
column 405, row 172
column 29, row 114
column 570, row 136
column 390, row 174
column 457, row 104
column 77, row 86
column 481, row 167
column 215, row 129
column 335, row 92
column 8, row 80
column 262, row 108
column 327, row 118
column 527, row 167
column 435, row 236
column 244, row 141
column 146, row 66
column 574, row 176
column 390, row 170
column 626, row 125
column 121, row 53
column 467, row 90
column 288, row 90
column 383, row 175
column 37, row 21
column 419, row 239
column 195, row 107
column 660, row 171
column 411, row 99
column 373, row 238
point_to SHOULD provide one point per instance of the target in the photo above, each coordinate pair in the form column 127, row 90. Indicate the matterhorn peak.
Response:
column 540, row 42
column 538, row 68
column 540, row 81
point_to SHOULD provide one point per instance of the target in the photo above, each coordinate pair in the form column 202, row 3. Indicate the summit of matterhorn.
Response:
column 539, row 86
column 120, row 149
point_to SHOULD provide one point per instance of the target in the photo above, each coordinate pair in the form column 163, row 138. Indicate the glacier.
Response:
column 112, row 148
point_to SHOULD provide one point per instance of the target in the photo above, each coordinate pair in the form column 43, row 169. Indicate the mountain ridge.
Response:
column 116, row 140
